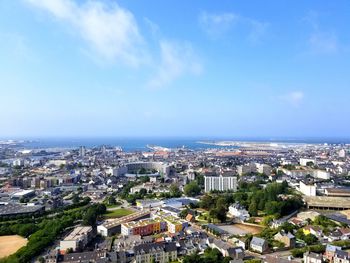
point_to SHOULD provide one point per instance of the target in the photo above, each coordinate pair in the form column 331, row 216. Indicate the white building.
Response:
column 18, row 162
column 220, row 183
column 77, row 239
column 238, row 211
column 307, row 189
column 342, row 153
column 264, row 169
column 304, row 161
column 321, row 174
column 246, row 169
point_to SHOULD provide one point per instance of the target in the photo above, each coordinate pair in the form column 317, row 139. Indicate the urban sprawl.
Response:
column 230, row 202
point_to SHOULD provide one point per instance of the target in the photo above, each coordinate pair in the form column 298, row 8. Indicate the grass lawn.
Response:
column 112, row 206
column 118, row 213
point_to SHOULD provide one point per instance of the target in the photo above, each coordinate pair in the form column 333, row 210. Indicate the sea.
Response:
column 140, row 144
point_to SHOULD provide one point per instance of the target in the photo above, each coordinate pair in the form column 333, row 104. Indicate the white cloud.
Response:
column 176, row 59
column 323, row 43
column 294, row 98
column 320, row 41
column 109, row 30
column 216, row 25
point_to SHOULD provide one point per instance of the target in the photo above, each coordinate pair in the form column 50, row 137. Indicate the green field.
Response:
column 118, row 213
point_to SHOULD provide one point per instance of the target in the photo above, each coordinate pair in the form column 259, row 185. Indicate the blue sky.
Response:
column 174, row 68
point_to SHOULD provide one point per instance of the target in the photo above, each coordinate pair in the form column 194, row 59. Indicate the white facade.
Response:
column 239, row 212
column 342, row 153
column 220, row 183
column 304, row 161
column 321, row 174
column 264, row 169
column 77, row 239
column 307, row 189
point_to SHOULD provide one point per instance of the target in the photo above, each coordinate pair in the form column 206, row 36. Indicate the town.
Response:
column 232, row 202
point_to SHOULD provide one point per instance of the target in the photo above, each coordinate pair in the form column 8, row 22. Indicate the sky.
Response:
column 195, row 68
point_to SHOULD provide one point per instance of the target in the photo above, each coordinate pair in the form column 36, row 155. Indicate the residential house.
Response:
column 341, row 257
column 330, row 252
column 259, row 245
column 314, row 230
column 287, row 239
column 238, row 211
column 310, row 257
column 155, row 252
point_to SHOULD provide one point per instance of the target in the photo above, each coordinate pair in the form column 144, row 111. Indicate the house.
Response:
column 277, row 259
column 334, row 235
column 225, row 249
column 239, row 242
column 85, row 257
column 190, row 218
column 345, row 233
column 238, row 211
column 330, row 252
column 259, row 245
column 77, row 239
column 296, row 221
column 287, row 239
column 314, row 230
column 310, row 257
column 155, row 252
column 341, row 257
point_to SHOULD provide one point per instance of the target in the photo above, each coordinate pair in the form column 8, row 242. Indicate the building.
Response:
column 23, row 194
column 14, row 209
column 18, row 162
column 287, row 239
column 236, row 253
column 143, row 227
column 342, row 153
column 340, row 192
column 307, row 189
column 149, row 203
column 321, row 174
column 259, row 245
column 264, row 169
column 77, row 239
column 238, row 211
column 306, row 161
column 82, row 151
column 310, row 257
column 341, row 257
column 155, row 252
column 220, row 183
column 330, row 252
column 247, row 168
column 278, row 259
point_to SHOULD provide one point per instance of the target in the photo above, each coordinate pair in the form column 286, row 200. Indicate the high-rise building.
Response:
column 342, row 153
column 220, row 183
column 82, row 151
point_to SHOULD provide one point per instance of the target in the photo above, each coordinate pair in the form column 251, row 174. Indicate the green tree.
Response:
column 253, row 209
column 192, row 189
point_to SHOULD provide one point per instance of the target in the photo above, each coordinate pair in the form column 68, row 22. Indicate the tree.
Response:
column 192, row 189
column 144, row 179
column 175, row 191
column 253, row 209
column 207, row 201
column 111, row 200
column 75, row 199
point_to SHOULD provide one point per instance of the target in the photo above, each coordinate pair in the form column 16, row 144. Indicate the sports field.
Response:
column 10, row 244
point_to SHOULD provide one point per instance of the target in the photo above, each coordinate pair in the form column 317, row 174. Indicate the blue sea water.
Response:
column 140, row 144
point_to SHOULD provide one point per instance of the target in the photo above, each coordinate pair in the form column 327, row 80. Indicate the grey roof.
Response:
column 257, row 241
column 342, row 254
column 148, row 247
column 332, row 248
